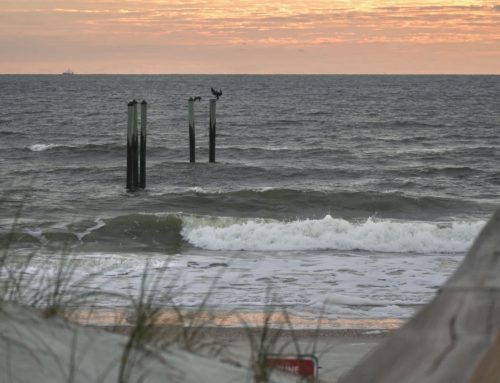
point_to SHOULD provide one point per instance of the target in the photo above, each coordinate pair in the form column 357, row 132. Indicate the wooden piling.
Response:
column 144, row 122
column 135, row 148
column 130, row 123
column 212, row 129
column 192, row 155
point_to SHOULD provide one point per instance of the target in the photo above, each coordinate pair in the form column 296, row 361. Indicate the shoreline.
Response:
column 232, row 320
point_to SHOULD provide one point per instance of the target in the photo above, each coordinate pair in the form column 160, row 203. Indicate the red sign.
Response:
column 305, row 366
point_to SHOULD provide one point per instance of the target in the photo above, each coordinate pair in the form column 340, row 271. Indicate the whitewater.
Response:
column 331, row 234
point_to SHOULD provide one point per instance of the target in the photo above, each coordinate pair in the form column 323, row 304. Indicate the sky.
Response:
column 250, row 36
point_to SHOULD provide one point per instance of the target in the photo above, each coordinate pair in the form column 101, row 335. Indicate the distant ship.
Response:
column 68, row 72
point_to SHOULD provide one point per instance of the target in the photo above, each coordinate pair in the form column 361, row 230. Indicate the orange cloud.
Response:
column 183, row 25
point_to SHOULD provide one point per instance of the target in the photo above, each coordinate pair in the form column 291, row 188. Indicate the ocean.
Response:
column 356, row 196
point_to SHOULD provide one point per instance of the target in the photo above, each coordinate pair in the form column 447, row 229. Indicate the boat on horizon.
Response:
column 68, row 72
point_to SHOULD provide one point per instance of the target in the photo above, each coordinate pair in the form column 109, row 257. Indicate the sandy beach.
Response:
column 63, row 348
column 337, row 350
column 337, row 346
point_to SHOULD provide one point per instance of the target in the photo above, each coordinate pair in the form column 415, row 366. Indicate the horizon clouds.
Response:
column 242, row 36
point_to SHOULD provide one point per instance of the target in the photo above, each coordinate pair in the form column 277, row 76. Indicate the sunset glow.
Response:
column 243, row 36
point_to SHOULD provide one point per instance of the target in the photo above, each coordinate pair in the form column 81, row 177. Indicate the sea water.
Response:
column 356, row 196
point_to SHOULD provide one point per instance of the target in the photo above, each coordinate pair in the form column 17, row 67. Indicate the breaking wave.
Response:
column 170, row 232
column 41, row 147
column 332, row 234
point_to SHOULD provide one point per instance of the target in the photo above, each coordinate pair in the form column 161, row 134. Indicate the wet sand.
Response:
column 233, row 319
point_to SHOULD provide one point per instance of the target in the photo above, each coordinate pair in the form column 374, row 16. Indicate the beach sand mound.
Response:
column 34, row 349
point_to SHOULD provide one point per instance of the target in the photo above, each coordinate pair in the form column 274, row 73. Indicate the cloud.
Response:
column 92, row 11
column 294, row 24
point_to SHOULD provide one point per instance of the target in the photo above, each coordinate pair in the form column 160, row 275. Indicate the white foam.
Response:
column 219, row 190
column 197, row 189
column 41, row 147
column 341, row 299
column 381, row 235
column 99, row 222
column 352, row 300
column 354, row 286
column 201, row 190
column 36, row 233
column 268, row 148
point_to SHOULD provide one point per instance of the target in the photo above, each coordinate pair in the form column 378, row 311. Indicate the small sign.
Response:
column 305, row 366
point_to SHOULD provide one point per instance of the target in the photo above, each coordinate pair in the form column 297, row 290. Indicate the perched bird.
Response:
column 217, row 93
column 197, row 98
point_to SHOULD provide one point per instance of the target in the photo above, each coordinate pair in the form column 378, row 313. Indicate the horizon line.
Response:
column 252, row 74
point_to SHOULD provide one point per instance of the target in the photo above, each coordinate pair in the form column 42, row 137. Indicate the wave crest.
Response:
column 41, row 147
column 170, row 232
column 332, row 234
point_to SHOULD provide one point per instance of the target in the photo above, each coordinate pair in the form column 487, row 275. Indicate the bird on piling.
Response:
column 197, row 98
column 217, row 93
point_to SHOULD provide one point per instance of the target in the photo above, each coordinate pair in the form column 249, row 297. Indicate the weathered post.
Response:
column 130, row 123
column 135, row 148
column 144, row 123
column 192, row 156
column 212, row 129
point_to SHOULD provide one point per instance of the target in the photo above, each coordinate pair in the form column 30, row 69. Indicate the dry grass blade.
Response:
column 267, row 339
column 144, row 333
column 192, row 324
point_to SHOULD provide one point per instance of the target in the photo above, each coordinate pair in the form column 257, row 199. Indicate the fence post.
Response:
column 144, row 122
column 212, row 129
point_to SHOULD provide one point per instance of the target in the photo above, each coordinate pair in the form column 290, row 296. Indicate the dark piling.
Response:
column 130, row 124
column 192, row 140
column 144, row 122
column 212, row 131
column 135, row 148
